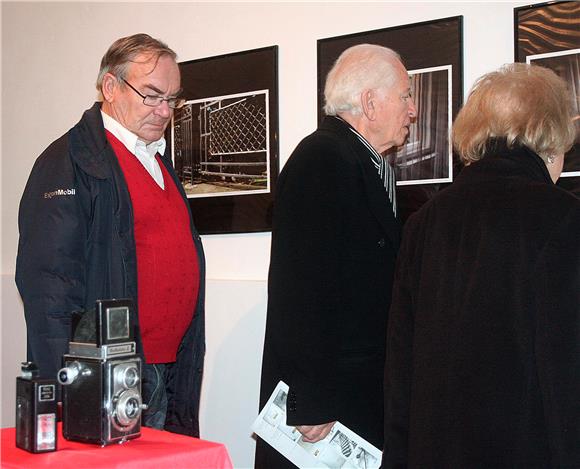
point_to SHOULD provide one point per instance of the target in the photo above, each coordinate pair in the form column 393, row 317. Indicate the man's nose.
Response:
column 163, row 109
column 412, row 109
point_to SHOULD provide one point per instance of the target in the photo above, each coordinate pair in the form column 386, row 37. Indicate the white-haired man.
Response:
column 334, row 244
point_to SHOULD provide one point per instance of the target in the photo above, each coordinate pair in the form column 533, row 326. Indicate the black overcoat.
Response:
column 77, row 245
column 483, row 349
column 334, row 244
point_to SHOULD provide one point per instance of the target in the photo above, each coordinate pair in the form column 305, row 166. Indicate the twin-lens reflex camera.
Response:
column 101, row 377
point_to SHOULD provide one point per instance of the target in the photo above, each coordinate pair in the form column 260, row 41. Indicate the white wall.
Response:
column 50, row 58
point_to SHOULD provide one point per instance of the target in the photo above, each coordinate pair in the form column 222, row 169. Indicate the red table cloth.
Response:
column 155, row 449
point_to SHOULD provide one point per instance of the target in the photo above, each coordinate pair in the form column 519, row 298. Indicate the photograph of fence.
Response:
column 221, row 145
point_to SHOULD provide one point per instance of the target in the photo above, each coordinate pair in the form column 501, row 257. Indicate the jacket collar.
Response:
column 377, row 197
column 88, row 144
column 90, row 148
column 520, row 159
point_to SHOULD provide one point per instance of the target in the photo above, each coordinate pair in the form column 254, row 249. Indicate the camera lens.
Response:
column 126, row 376
column 131, row 377
column 128, row 408
column 132, row 408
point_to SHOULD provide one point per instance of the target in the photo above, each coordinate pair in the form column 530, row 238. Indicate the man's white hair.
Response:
column 361, row 67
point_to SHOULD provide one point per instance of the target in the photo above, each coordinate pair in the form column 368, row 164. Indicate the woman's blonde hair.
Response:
column 523, row 104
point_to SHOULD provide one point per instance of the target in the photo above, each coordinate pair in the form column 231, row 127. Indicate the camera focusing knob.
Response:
column 68, row 374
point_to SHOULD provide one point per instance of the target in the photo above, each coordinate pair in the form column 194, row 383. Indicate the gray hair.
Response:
column 361, row 67
column 125, row 50
column 525, row 104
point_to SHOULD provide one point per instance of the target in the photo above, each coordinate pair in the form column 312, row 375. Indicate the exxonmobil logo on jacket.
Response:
column 59, row 193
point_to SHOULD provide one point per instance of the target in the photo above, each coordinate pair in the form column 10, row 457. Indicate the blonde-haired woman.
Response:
column 483, row 348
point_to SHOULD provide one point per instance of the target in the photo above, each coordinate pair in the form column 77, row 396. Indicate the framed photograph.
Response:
column 548, row 34
column 224, row 141
column 432, row 52
column 427, row 155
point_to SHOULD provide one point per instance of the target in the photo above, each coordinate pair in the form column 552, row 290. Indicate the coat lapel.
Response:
column 377, row 196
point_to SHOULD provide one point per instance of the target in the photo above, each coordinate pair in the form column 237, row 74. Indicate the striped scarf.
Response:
column 386, row 172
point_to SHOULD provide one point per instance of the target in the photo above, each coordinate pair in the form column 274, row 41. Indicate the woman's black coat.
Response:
column 483, row 348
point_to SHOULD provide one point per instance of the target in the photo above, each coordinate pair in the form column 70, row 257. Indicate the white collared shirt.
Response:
column 144, row 153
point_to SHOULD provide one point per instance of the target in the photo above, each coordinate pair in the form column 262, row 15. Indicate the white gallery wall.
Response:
column 50, row 58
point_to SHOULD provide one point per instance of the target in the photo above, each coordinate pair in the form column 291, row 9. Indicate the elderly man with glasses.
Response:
column 104, row 216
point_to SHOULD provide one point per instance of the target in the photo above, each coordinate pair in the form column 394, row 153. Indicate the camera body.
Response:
column 36, row 411
column 101, row 377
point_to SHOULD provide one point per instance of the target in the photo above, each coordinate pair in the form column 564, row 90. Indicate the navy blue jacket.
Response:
column 77, row 245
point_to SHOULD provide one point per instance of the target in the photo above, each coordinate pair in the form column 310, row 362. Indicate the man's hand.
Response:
column 314, row 433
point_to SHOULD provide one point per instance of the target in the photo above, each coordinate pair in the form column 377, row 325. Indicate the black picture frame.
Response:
column 548, row 34
column 429, row 49
column 224, row 141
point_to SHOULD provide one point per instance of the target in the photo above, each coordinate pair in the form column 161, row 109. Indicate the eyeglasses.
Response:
column 154, row 101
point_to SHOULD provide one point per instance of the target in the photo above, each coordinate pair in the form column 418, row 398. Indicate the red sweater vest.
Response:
column 167, row 263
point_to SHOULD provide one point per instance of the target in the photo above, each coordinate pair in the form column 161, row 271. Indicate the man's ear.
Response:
column 109, row 87
column 367, row 99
